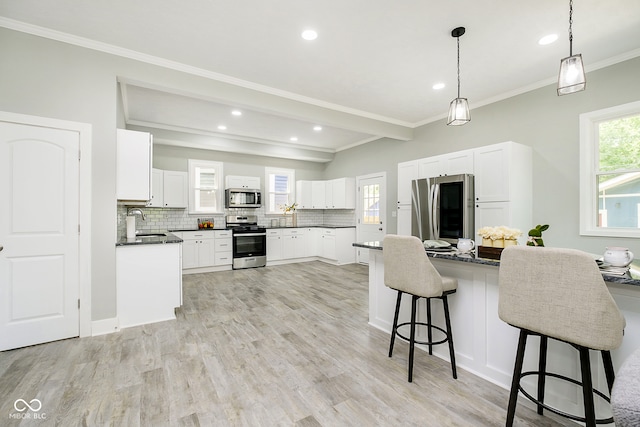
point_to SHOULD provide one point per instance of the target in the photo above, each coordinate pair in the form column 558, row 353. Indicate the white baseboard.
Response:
column 104, row 326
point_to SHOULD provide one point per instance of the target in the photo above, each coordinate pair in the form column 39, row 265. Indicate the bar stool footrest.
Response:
column 555, row 410
column 423, row 342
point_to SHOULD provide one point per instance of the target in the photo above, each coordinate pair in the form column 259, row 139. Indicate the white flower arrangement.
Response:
column 500, row 232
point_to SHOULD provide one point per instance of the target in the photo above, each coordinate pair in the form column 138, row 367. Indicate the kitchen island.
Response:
column 484, row 344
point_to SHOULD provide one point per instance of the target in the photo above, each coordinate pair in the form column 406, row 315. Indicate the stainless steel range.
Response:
column 249, row 241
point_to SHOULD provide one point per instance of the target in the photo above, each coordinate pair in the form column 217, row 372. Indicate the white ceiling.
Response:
column 368, row 75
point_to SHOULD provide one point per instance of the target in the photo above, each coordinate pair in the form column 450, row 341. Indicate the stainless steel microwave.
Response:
column 242, row 198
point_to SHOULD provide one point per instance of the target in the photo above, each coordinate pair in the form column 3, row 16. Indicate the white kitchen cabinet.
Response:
column 454, row 163
column 318, row 194
column 340, row 193
column 407, row 172
column 431, row 166
column 294, row 243
column 157, row 188
column 169, row 189
column 198, row 249
column 503, row 186
column 149, row 283
column 134, row 152
column 223, row 247
column 403, row 226
column 303, row 194
column 274, row 245
column 501, row 171
column 336, row 245
column 175, row 189
column 235, row 181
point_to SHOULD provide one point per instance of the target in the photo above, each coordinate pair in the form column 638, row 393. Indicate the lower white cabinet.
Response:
column 149, row 283
column 336, row 245
column 198, row 249
column 223, row 247
column 294, row 243
column 274, row 244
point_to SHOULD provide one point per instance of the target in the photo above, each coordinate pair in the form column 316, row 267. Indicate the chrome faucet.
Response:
column 133, row 211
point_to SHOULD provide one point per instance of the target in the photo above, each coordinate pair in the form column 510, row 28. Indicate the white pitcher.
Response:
column 617, row 256
column 466, row 245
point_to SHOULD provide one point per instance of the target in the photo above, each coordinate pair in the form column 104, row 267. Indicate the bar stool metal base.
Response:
column 430, row 342
column 588, row 391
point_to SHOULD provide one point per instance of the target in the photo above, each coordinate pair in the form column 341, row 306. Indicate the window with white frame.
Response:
column 610, row 171
column 206, row 192
column 280, row 189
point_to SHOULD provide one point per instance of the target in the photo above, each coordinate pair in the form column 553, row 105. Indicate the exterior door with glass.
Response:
column 371, row 211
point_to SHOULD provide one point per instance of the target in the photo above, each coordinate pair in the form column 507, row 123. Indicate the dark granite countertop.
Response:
column 197, row 229
column 632, row 277
column 311, row 226
column 149, row 240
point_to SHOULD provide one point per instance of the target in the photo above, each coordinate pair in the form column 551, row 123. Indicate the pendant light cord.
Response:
column 458, row 39
column 570, row 27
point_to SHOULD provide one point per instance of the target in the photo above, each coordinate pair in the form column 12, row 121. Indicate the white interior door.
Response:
column 39, row 217
column 371, row 210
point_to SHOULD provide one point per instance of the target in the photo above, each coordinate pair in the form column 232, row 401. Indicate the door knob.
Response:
column 1, row 248
column 380, row 228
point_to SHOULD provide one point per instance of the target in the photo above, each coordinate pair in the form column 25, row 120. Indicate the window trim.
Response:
column 589, row 166
column 274, row 210
column 193, row 163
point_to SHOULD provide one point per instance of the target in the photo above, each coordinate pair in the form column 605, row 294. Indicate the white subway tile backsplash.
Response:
column 158, row 219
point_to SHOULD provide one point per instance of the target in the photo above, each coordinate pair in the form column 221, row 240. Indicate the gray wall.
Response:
column 52, row 79
column 540, row 119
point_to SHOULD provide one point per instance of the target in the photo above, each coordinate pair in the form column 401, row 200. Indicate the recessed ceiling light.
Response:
column 309, row 35
column 293, row 138
column 438, row 86
column 222, row 127
column 317, row 128
column 236, row 112
column 548, row 39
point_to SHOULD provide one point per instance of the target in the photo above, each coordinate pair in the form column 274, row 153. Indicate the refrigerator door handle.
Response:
column 435, row 223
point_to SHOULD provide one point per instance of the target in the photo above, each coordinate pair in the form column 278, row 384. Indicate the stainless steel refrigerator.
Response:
column 442, row 208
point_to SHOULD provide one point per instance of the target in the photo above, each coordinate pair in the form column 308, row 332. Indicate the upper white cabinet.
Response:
column 303, row 194
column 340, row 193
column 501, row 171
column 318, row 194
column 235, row 181
column 446, row 164
column 337, row 193
column 170, row 189
column 407, row 172
column 134, row 152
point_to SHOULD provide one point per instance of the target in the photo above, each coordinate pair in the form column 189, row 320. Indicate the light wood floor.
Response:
column 276, row 346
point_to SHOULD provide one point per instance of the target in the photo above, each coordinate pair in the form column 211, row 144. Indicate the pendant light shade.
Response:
column 459, row 107
column 458, row 112
column 571, row 78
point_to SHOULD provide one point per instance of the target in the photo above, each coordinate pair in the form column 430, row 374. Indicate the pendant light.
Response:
column 571, row 78
column 459, row 107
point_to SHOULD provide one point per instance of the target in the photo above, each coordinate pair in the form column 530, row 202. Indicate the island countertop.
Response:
column 632, row 277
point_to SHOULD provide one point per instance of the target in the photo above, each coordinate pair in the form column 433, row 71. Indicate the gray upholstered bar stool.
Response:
column 560, row 294
column 407, row 269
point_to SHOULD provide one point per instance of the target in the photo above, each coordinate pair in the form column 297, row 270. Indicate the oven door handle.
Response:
column 249, row 234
